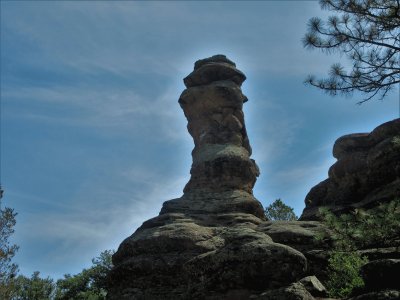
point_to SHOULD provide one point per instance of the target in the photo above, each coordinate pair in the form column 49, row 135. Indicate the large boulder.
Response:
column 311, row 238
column 314, row 286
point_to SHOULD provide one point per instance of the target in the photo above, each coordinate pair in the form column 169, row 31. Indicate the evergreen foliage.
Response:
column 367, row 32
column 344, row 273
column 88, row 284
column 280, row 211
column 34, row 288
column 377, row 227
column 8, row 270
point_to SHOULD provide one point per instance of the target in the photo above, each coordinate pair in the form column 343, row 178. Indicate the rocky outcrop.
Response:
column 213, row 242
column 367, row 172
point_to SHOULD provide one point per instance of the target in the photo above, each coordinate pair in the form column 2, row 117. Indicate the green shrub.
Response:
column 361, row 229
column 344, row 273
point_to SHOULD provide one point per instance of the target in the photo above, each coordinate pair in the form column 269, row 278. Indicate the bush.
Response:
column 377, row 227
column 344, row 273
column 361, row 229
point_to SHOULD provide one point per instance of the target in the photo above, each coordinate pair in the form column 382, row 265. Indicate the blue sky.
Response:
column 93, row 138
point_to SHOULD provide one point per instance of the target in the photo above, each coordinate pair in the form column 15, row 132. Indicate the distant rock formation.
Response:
column 367, row 172
column 213, row 242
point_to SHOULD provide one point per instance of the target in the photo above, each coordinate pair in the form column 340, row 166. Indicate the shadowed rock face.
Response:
column 208, row 244
column 367, row 172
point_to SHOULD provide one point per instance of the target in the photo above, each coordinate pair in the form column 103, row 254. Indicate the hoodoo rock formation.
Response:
column 367, row 173
column 214, row 242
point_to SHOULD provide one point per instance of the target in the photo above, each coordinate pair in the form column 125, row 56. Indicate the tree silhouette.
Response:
column 280, row 211
column 368, row 33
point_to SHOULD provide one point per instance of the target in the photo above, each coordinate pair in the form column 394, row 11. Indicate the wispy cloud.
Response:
column 107, row 39
column 272, row 134
column 97, row 221
column 108, row 107
column 304, row 173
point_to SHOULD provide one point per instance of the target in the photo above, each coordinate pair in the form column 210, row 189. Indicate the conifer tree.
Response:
column 367, row 32
column 8, row 269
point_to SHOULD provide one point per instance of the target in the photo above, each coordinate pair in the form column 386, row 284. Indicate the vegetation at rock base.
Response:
column 280, row 211
column 366, row 31
column 344, row 273
column 377, row 227
column 88, row 284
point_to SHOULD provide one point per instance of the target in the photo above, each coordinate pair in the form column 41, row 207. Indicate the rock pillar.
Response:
column 222, row 173
column 212, row 104
column 207, row 244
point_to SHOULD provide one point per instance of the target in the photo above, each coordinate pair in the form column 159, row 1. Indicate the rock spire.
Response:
column 212, row 104
column 209, row 243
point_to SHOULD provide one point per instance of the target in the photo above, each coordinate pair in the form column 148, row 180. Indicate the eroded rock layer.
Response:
column 211, row 242
column 367, row 172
